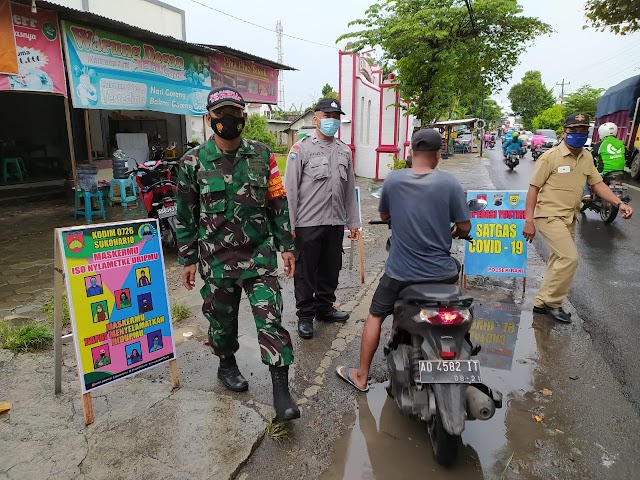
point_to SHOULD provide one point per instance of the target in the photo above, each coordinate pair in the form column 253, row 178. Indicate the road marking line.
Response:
column 631, row 186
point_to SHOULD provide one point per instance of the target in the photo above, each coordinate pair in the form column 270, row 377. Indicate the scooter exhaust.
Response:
column 479, row 405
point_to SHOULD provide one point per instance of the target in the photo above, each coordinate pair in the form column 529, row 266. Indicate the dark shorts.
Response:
column 388, row 292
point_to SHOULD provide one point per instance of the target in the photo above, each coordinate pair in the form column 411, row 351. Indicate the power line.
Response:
column 616, row 73
column 262, row 26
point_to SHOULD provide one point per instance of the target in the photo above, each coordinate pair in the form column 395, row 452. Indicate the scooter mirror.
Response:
column 477, row 204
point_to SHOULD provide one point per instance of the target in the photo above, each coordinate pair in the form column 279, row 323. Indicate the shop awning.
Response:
column 74, row 15
column 454, row 123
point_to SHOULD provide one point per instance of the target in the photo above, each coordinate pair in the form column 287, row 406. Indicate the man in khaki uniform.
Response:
column 553, row 201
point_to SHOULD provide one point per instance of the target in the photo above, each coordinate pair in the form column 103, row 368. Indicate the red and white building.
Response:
column 374, row 128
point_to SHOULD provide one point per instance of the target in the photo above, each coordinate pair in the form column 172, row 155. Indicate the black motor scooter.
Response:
column 432, row 374
column 608, row 212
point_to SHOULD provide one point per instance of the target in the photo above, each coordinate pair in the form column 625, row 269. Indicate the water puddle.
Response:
column 383, row 444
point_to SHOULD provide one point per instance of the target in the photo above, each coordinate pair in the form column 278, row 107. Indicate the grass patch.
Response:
column 25, row 338
column 282, row 163
column 179, row 311
column 47, row 309
column 278, row 431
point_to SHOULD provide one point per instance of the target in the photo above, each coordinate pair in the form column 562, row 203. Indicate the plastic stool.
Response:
column 88, row 210
column 19, row 171
column 123, row 197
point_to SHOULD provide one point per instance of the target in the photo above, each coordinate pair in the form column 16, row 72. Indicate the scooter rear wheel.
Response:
column 608, row 212
column 444, row 445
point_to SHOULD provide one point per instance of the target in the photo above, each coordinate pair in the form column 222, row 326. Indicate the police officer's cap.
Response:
column 329, row 105
column 426, row 140
column 224, row 96
column 577, row 120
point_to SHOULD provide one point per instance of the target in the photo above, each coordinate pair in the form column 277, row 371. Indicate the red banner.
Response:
column 39, row 53
column 8, row 58
column 255, row 82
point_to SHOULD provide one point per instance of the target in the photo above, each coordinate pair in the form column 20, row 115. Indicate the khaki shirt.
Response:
column 320, row 184
column 561, row 177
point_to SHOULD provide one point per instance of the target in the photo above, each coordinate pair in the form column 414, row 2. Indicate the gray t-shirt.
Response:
column 422, row 208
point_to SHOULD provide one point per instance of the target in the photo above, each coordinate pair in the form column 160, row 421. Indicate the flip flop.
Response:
column 347, row 378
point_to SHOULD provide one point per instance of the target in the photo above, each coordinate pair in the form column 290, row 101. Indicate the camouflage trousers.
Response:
column 221, row 301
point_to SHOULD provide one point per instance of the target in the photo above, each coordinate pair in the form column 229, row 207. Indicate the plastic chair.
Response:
column 18, row 169
column 123, row 197
column 88, row 210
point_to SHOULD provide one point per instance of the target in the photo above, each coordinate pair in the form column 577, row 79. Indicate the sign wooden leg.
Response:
column 361, row 254
column 173, row 369
column 87, row 408
column 351, row 255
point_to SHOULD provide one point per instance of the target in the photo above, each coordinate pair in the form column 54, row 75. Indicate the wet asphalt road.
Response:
column 605, row 291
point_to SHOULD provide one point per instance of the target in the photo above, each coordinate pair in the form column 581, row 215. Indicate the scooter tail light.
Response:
column 444, row 316
column 447, row 355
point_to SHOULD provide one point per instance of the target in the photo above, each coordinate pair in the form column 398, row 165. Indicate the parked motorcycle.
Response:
column 158, row 194
column 432, row 375
column 608, row 212
column 512, row 160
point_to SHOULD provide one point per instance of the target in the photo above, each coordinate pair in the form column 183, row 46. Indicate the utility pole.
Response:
column 280, row 49
column 562, row 91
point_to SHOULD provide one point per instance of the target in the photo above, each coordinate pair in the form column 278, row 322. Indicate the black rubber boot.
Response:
column 286, row 408
column 229, row 374
column 305, row 328
column 333, row 315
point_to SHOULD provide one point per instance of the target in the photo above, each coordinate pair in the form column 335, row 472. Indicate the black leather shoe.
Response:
column 285, row 407
column 333, row 315
column 230, row 376
column 557, row 313
column 305, row 328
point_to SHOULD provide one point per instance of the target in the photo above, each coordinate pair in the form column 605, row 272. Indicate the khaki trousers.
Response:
column 562, row 263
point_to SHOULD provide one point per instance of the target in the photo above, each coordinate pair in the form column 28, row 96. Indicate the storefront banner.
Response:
column 256, row 83
column 112, row 72
column 8, row 53
column 39, row 53
column 118, row 300
column 495, row 327
column 499, row 248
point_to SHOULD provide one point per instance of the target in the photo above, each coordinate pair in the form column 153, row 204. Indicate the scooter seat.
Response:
column 431, row 292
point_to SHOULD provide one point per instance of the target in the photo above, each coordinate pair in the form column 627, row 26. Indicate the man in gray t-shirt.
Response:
column 422, row 207
column 421, row 202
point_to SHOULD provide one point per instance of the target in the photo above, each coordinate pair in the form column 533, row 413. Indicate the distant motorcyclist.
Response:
column 537, row 141
column 487, row 139
column 513, row 145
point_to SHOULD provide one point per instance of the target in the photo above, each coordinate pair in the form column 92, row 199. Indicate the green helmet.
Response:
column 515, row 135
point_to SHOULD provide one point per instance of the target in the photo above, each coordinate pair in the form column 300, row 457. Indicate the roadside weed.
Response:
column 278, row 431
column 25, row 338
column 179, row 311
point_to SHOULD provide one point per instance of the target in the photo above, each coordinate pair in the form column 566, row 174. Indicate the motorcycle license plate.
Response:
column 167, row 211
column 450, row 371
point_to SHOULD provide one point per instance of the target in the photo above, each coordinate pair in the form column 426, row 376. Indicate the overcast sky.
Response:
column 579, row 56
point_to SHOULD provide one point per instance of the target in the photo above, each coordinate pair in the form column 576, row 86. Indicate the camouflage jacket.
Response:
column 232, row 211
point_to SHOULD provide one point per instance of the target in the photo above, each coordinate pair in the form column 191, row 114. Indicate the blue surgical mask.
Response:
column 329, row 126
column 576, row 140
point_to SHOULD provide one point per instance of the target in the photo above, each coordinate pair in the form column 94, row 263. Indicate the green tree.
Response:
column 256, row 129
column 619, row 16
column 327, row 92
column 584, row 100
column 438, row 52
column 551, row 118
column 530, row 97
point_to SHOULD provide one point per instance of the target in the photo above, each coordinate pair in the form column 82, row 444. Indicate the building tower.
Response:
column 281, row 102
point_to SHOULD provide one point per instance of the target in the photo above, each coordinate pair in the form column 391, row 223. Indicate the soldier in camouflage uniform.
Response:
column 232, row 218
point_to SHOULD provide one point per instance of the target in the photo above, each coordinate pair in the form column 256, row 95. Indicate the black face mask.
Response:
column 228, row 127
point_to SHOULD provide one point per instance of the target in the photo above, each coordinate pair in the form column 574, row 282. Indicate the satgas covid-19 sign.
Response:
column 499, row 248
column 118, row 299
